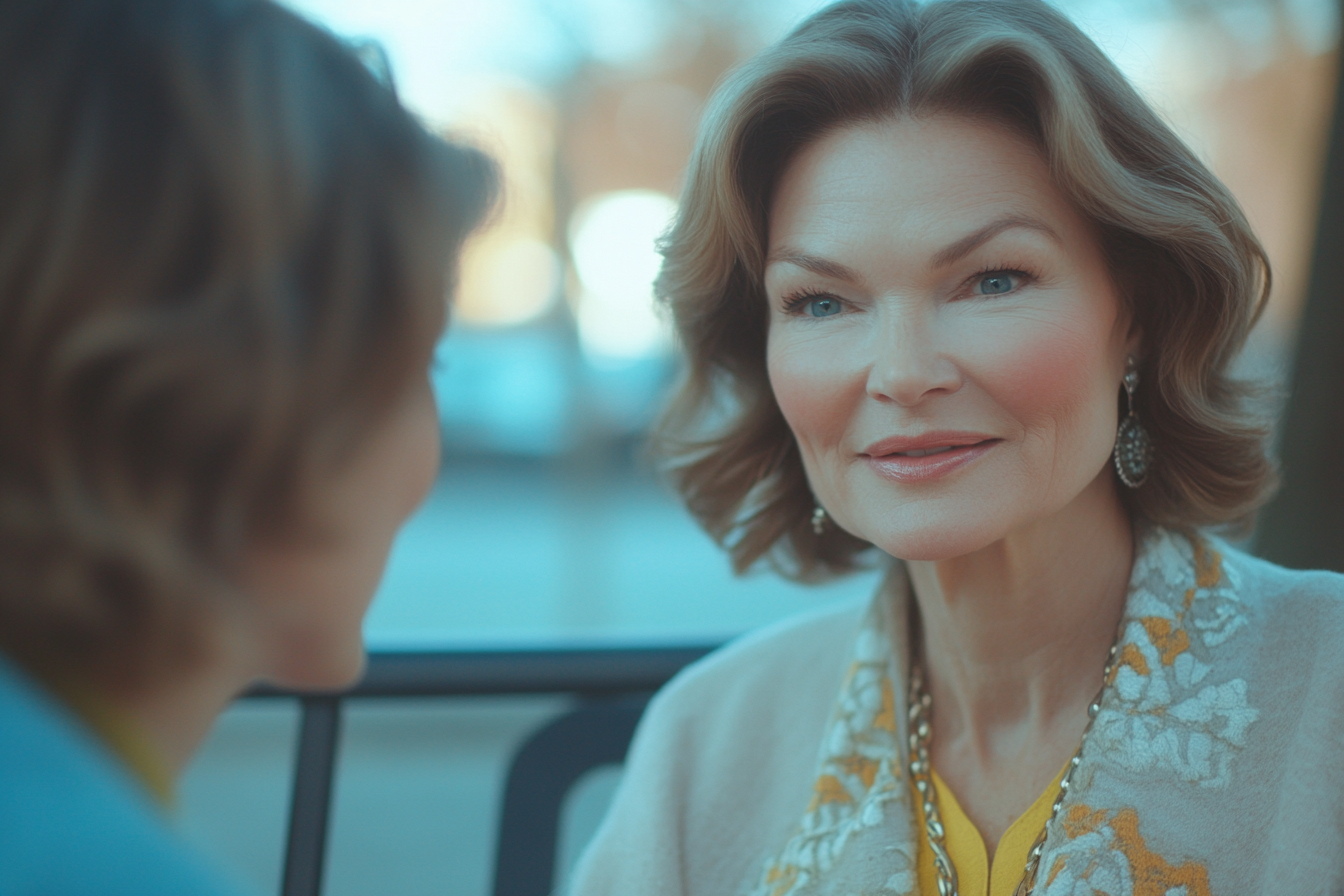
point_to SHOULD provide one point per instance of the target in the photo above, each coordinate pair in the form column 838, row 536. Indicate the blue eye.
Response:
column 996, row 283
column 822, row 306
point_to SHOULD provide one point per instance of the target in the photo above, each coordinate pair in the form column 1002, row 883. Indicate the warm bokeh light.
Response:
column 511, row 271
column 507, row 279
column 612, row 239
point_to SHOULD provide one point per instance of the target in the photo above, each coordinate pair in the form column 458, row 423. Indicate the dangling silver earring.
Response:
column 1133, row 449
column 819, row 520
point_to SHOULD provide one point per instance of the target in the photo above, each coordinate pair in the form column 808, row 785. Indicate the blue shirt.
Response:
column 73, row 822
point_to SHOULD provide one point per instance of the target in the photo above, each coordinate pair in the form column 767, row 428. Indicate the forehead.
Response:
column 914, row 180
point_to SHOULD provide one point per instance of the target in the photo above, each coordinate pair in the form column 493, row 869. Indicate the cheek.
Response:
column 423, row 451
column 313, row 597
column 391, row 483
column 810, row 389
column 1053, row 377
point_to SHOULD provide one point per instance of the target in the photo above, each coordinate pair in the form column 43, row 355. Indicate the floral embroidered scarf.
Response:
column 1167, row 748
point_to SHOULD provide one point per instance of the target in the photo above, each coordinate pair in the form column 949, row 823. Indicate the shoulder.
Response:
column 1293, row 616
column 1309, row 596
column 722, row 764
column 1294, row 702
column 1296, row 621
column 735, row 725
column 72, row 821
column 755, row 707
column 784, row 662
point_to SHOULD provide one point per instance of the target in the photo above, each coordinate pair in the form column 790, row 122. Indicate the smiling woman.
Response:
column 955, row 299
column 918, row 260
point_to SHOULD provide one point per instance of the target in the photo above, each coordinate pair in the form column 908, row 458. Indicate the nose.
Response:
column 909, row 365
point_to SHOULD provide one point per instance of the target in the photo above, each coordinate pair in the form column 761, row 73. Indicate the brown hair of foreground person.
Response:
column 1178, row 246
column 224, row 254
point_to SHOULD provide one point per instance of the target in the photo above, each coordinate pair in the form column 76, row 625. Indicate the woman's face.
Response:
column 310, row 596
column 945, row 340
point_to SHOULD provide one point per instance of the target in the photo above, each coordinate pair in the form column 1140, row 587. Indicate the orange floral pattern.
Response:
column 1168, row 711
column 1168, row 715
column 859, row 779
column 1105, row 853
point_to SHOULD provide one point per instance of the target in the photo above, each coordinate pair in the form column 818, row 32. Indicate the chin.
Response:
column 320, row 670
column 938, row 538
column 932, row 547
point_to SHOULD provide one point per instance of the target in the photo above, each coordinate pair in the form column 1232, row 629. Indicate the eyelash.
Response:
column 795, row 301
column 1025, row 275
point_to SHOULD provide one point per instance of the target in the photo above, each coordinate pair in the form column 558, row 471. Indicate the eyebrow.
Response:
column 944, row 257
column 821, row 266
column 968, row 244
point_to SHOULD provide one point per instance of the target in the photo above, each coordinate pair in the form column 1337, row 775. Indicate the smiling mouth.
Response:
column 924, row 452
column 928, row 463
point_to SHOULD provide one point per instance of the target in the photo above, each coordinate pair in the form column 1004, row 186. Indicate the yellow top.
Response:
column 120, row 734
column 975, row 875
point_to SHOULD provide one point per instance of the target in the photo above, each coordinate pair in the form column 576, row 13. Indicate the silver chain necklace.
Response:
column 921, row 773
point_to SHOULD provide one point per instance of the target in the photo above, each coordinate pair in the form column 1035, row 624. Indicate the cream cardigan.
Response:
column 775, row 767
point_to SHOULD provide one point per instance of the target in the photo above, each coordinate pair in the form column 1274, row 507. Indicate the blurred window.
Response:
column 547, row 523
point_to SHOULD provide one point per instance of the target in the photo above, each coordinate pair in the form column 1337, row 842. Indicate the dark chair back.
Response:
column 544, row 770
column 615, row 681
column 310, row 804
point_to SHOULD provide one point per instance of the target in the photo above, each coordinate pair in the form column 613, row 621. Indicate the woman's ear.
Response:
column 1134, row 343
column 1134, row 336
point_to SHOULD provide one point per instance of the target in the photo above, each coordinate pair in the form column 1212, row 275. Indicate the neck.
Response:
column 1015, row 635
column 176, row 713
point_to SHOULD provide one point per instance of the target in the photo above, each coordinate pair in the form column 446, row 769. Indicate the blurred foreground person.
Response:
column 954, row 298
column 224, row 254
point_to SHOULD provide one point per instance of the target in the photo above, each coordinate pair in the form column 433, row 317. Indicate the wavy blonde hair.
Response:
column 224, row 250
column 1179, row 248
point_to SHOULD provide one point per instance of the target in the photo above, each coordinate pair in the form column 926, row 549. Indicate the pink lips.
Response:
column 949, row 451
